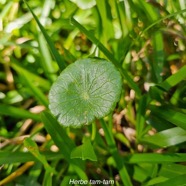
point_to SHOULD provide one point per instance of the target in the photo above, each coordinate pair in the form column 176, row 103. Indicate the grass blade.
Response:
column 65, row 144
column 174, row 79
column 105, row 15
column 149, row 10
column 158, row 55
column 60, row 61
column 119, row 161
column 172, row 115
column 140, row 121
column 43, row 83
column 167, row 137
column 178, row 180
column 46, row 60
column 160, row 20
column 172, row 169
column 33, row 149
column 58, row 135
column 47, row 181
column 18, row 112
column 155, row 158
column 7, row 157
column 37, row 93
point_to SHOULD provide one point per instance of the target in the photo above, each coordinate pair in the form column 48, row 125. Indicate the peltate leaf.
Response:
column 85, row 90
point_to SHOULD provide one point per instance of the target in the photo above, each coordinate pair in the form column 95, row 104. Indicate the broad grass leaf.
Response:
column 167, row 138
column 85, row 90
column 172, row 170
column 178, row 180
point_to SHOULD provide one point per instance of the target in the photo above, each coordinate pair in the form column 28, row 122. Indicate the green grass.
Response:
column 142, row 142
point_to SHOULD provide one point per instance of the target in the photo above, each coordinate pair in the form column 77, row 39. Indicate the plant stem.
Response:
column 118, row 159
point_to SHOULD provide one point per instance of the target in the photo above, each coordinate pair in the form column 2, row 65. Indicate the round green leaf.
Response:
column 85, row 90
